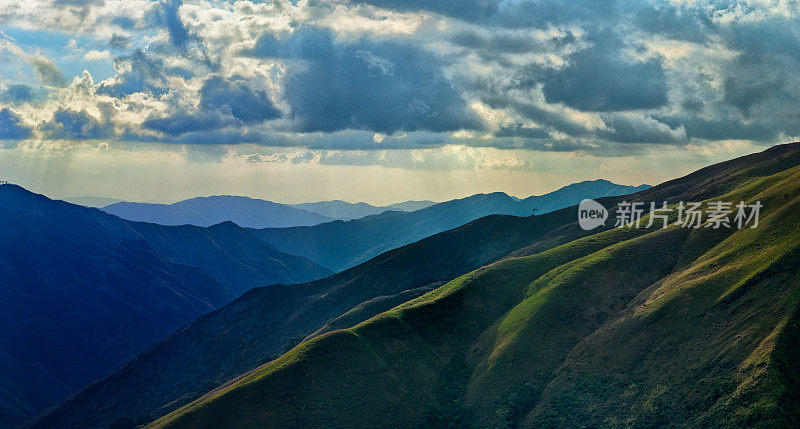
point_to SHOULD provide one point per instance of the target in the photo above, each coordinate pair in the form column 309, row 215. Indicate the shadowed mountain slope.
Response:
column 83, row 291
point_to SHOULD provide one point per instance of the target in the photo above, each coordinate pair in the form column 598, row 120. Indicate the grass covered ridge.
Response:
column 624, row 327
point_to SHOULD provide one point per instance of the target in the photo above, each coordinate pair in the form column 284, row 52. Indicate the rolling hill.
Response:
column 623, row 327
column 84, row 291
column 340, row 245
column 207, row 211
column 258, row 326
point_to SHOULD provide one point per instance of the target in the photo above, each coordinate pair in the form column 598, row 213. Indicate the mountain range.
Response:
column 504, row 321
column 84, row 291
column 488, row 347
column 243, row 211
column 258, row 326
column 207, row 211
column 339, row 245
column 342, row 210
column 267, row 321
column 672, row 326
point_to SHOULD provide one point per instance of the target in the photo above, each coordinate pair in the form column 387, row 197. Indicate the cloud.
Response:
column 11, row 127
column 519, row 130
column 237, row 98
column 137, row 72
column 46, row 68
column 95, row 55
column 184, row 122
column 466, row 9
column 17, row 93
column 722, row 128
column 81, row 8
column 622, row 128
column 170, row 16
column 604, row 78
column 380, row 86
column 119, row 42
column 79, row 125
column 607, row 77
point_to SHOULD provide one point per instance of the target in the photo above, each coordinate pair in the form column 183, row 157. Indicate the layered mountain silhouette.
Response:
column 207, row 211
column 243, row 211
column 618, row 327
column 258, row 326
column 339, row 245
column 342, row 210
column 84, row 291
column 264, row 322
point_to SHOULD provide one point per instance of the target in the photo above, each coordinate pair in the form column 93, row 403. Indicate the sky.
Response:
column 386, row 100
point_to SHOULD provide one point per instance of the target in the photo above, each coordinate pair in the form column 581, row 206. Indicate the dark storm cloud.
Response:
column 604, row 78
column 722, row 129
column 745, row 93
column 223, row 103
column 381, row 86
column 236, row 97
column 10, row 126
column 79, row 125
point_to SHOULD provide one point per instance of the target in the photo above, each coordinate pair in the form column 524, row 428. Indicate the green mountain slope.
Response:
column 624, row 327
column 258, row 326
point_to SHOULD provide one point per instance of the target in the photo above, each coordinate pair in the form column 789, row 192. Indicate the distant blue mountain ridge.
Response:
column 257, row 213
column 339, row 245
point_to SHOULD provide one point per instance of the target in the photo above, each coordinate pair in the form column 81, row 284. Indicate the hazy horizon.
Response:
column 67, row 197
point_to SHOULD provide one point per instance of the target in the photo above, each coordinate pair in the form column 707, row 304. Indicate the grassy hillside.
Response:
column 259, row 325
column 624, row 327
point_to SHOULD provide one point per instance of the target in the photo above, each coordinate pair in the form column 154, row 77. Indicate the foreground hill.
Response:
column 257, row 327
column 83, row 291
column 207, row 211
column 634, row 327
column 340, row 245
